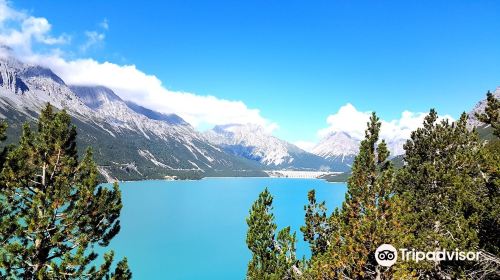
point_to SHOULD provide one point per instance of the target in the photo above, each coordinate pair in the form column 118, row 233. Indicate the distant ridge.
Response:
column 254, row 143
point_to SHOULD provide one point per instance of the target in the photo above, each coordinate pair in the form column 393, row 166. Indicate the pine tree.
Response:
column 122, row 271
column 370, row 216
column 489, row 234
column 317, row 229
column 491, row 169
column 272, row 258
column 442, row 181
column 286, row 259
column 3, row 130
column 491, row 114
column 55, row 210
column 260, row 238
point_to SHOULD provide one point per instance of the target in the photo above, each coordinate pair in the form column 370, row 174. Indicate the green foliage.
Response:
column 336, row 178
column 445, row 195
column 54, row 212
column 489, row 233
column 122, row 271
column 260, row 237
column 491, row 114
column 118, row 154
column 272, row 258
column 443, row 183
column 286, row 259
column 343, row 244
column 3, row 130
column 316, row 230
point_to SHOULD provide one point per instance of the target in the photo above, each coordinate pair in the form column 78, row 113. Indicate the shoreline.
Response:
column 330, row 177
column 222, row 177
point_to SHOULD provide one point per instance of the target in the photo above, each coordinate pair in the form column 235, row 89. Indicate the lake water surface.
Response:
column 197, row 229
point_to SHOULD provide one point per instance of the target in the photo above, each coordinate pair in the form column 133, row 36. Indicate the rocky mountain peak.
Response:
column 10, row 79
column 133, row 142
column 337, row 144
column 255, row 143
column 38, row 72
column 172, row 119
column 479, row 109
column 95, row 96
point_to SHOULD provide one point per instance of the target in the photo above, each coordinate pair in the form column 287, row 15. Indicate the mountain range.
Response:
column 129, row 141
column 338, row 147
column 132, row 142
column 253, row 142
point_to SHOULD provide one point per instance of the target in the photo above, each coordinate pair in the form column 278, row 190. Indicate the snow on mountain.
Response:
column 116, row 112
column 169, row 118
column 341, row 147
column 337, row 145
column 259, row 145
column 95, row 96
column 38, row 71
column 253, row 142
column 395, row 146
column 125, row 116
column 479, row 108
column 120, row 132
column 21, row 89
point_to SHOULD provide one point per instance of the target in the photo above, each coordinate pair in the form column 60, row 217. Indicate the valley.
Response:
column 131, row 142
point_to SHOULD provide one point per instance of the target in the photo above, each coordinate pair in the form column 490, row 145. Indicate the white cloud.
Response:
column 104, row 24
column 126, row 80
column 353, row 122
column 19, row 30
column 94, row 38
column 147, row 90
column 349, row 119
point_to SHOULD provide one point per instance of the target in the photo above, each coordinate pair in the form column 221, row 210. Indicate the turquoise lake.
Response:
column 197, row 229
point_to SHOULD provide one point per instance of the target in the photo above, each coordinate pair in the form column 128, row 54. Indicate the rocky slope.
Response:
column 485, row 131
column 339, row 148
column 130, row 142
column 479, row 108
column 254, row 143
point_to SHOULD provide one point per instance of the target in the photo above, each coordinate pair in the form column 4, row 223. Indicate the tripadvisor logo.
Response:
column 387, row 255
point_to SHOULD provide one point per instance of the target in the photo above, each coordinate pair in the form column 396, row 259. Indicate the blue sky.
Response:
column 297, row 62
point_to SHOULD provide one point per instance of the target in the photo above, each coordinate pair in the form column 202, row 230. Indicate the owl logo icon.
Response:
column 386, row 255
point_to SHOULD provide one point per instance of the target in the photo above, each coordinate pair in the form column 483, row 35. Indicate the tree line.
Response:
column 445, row 196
